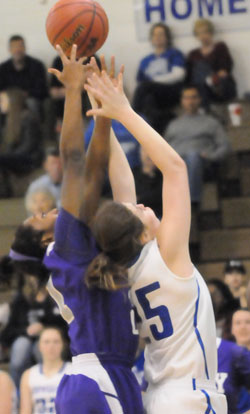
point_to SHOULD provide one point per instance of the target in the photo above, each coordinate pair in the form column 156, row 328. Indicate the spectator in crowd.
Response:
column 52, row 179
column 24, row 72
column 234, row 277
column 39, row 201
column 241, row 327
column 224, row 305
column 233, row 374
column 210, row 66
column 8, row 395
column 148, row 181
column 160, row 77
column 198, row 138
column 241, row 332
column 21, row 144
column 39, row 384
column 31, row 310
column 129, row 145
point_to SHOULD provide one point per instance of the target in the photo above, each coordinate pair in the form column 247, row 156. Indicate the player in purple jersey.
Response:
column 100, row 328
column 233, row 372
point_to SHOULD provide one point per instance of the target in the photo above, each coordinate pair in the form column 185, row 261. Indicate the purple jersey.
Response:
column 233, row 371
column 244, row 401
column 99, row 320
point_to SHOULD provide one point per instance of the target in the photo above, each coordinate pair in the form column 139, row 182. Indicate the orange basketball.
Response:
column 83, row 22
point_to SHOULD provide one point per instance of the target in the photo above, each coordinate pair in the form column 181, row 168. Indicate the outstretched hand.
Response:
column 94, row 68
column 74, row 73
column 111, row 96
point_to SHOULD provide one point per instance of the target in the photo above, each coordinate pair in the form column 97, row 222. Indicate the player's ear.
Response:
column 145, row 237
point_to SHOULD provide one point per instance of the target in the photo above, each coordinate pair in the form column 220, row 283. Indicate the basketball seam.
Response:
column 104, row 31
column 89, row 31
column 69, row 23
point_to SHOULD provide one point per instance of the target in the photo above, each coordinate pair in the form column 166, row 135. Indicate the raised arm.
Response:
column 120, row 175
column 173, row 236
column 82, row 178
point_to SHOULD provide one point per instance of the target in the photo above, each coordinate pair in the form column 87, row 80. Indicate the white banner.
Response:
column 227, row 15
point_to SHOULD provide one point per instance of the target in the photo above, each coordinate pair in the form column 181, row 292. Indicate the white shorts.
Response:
column 182, row 397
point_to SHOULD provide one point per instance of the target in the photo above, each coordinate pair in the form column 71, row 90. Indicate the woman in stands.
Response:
column 209, row 67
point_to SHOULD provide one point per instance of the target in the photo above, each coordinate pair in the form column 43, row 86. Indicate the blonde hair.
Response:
column 48, row 196
column 203, row 23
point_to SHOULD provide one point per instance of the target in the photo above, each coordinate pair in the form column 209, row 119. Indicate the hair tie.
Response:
column 19, row 257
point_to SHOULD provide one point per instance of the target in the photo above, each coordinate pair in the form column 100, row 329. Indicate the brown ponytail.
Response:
column 117, row 231
column 102, row 273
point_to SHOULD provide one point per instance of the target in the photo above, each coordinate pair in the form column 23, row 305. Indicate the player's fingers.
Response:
column 95, row 112
column 55, row 72
column 73, row 53
column 82, row 59
column 93, row 91
column 112, row 67
column 120, row 82
column 98, row 82
column 95, row 66
column 62, row 54
column 122, row 69
column 106, row 80
column 103, row 63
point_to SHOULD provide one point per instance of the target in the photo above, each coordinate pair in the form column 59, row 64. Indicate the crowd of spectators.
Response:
column 31, row 112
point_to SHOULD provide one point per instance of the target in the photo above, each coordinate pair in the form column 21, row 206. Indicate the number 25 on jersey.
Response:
column 160, row 311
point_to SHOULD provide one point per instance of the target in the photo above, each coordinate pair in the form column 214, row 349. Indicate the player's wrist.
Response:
column 124, row 114
column 73, row 88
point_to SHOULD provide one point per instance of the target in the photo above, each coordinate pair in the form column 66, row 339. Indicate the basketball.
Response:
column 80, row 22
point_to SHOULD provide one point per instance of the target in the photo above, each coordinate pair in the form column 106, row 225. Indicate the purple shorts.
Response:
column 91, row 387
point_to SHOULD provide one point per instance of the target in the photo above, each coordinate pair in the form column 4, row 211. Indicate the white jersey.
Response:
column 43, row 388
column 177, row 322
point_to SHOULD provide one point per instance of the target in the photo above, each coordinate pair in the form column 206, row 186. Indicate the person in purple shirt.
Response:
column 103, row 341
column 233, row 372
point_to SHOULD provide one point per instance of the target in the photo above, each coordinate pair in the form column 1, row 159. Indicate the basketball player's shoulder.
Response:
column 146, row 253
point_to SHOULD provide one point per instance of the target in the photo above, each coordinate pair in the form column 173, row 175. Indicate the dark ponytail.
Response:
column 28, row 242
column 117, row 231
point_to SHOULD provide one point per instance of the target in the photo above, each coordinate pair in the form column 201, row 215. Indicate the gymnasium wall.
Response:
column 27, row 17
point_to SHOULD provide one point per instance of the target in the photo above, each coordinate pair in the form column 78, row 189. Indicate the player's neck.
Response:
column 50, row 368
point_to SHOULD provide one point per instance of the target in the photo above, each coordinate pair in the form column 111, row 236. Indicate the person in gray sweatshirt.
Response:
column 199, row 139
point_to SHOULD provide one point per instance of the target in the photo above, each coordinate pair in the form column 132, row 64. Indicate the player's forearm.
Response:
column 161, row 153
column 120, row 174
column 72, row 138
column 98, row 151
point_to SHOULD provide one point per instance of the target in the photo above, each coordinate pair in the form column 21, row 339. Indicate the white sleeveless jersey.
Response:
column 177, row 320
column 43, row 389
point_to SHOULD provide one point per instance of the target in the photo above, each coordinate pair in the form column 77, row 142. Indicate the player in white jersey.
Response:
column 39, row 384
column 8, row 395
column 171, row 297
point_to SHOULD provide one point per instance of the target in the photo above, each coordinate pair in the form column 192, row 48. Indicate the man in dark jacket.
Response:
column 24, row 72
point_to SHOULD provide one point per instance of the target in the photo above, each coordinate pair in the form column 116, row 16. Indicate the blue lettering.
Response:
column 210, row 6
column 150, row 8
column 177, row 13
column 235, row 8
